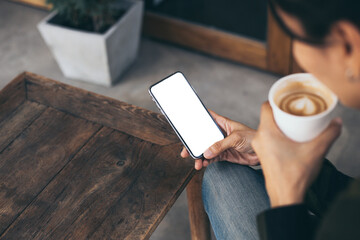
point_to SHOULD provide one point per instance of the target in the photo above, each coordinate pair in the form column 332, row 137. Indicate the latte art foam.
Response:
column 303, row 104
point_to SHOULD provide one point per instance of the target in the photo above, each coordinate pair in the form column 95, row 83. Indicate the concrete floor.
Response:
column 230, row 89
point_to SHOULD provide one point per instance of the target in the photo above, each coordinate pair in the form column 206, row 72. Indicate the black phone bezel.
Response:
column 167, row 118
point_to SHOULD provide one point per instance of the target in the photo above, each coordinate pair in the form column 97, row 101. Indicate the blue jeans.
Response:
column 233, row 195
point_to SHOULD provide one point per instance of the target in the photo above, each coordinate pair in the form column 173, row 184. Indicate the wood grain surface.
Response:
column 136, row 121
column 199, row 221
column 11, row 96
column 67, row 172
column 17, row 121
column 110, row 190
column 35, row 157
column 279, row 57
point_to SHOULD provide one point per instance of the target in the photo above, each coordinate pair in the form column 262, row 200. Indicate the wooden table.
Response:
column 77, row 165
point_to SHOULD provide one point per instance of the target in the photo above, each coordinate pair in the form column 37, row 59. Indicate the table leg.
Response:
column 199, row 221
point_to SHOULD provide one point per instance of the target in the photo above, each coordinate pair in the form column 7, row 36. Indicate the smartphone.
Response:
column 186, row 113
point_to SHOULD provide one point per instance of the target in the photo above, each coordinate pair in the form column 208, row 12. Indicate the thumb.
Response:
column 217, row 148
column 330, row 134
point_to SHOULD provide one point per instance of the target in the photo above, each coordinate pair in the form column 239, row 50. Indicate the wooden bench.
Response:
column 78, row 165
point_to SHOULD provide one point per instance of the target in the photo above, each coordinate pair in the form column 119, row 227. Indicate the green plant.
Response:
column 88, row 15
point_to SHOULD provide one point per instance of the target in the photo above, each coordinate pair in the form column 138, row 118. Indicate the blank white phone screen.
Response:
column 187, row 114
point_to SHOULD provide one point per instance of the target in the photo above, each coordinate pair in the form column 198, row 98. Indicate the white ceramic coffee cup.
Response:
column 302, row 128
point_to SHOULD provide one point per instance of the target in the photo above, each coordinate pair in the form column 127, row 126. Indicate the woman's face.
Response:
column 330, row 61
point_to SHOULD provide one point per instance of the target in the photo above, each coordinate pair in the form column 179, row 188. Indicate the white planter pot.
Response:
column 93, row 57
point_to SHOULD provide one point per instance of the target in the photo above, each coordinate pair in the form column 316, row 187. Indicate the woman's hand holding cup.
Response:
column 294, row 134
column 289, row 167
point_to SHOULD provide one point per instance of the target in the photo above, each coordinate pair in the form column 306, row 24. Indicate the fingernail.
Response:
column 208, row 153
column 197, row 166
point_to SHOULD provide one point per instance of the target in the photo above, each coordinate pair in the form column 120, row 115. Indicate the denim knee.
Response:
column 219, row 174
column 233, row 195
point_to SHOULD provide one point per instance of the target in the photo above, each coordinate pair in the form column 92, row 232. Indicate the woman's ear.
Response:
column 349, row 36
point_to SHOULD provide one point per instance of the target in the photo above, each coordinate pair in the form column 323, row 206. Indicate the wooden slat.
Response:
column 17, row 121
column 199, row 221
column 168, row 176
column 278, row 48
column 214, row 42
column 128, row 118
column 117, row 187
column 35, row 3
column 35, row 157
column 12, row 96
column 295, row 67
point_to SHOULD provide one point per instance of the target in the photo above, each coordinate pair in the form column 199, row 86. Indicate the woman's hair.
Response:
column 318, row 16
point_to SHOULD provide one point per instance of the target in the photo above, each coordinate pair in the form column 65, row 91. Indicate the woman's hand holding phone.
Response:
column 235, row 147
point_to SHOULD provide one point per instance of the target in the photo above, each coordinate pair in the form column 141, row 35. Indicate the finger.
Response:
column 330, row 134
column 198, row 164
column 206, row 163
column 267, row 123
column 184, row 153
column 267, row 117
column 234, row 139
column 214, row 114
column 221, row 121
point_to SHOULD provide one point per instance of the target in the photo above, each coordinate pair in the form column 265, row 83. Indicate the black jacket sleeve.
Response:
column 295, row 221
column 284, row 223
column 326, row 187
column 342, row 220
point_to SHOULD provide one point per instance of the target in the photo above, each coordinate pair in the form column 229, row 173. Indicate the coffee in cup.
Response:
column 301, row 106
